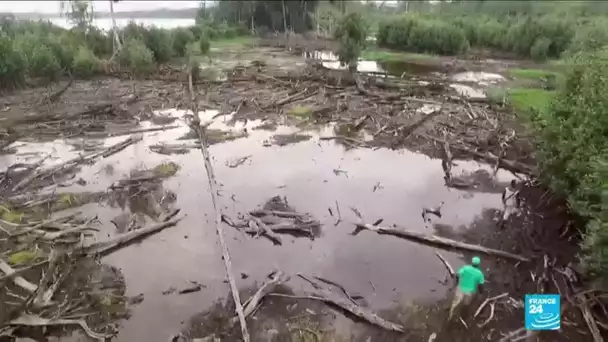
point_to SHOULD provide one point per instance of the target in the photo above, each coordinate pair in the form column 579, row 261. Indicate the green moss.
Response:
column 22, row 257
column 300, row 111
column 12, row 216
column 166, row 169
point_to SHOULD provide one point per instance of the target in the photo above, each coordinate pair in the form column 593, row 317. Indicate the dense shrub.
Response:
column 160, row 43
column 204, row 45
column 86, row 64
column 12, row 63
column 41, row 49
column 537, row 35
column 181, row 38
column 197, row 31
column 573, row 149
column 136, row 57
column 590, row 37
column 99, row 42
column 550, row 33
column 64, row 47
column 483, row 32
column 158, row 40
column 419, row 34
column 352, row 34
column 40, row 59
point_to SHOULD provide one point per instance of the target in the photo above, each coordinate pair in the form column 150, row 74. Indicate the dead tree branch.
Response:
column 196, row 125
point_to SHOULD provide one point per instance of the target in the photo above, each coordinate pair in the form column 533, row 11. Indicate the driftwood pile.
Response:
column 275, row 218
column 38, row 279
column 44, row 257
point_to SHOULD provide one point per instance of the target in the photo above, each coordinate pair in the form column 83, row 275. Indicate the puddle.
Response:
column 398, row 68
column 481, row 78
column 313, row 174
column 468, row 91
column 330, row 61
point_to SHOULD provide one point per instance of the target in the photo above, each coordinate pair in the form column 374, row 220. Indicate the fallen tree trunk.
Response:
column 202, row 140
column 438, row 241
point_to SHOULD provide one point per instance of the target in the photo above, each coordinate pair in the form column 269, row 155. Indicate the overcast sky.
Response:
column 101, row 6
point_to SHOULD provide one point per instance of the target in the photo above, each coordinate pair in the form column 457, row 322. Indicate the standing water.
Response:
column 313, row 175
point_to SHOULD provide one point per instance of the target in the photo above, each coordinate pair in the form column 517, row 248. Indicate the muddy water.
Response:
column 392, row 68
column 393, row 185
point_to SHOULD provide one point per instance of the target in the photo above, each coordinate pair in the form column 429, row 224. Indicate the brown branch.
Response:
column 124, row 240
column 264, row 290
column 265, row 230
column 446, row 264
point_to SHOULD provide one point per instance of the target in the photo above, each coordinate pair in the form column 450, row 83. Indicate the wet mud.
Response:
column 338, row 149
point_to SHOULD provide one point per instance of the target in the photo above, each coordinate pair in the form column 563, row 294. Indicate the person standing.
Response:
column 470, row 282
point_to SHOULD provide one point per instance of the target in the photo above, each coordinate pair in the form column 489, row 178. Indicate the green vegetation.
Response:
column 532, row 74
column 231, row 42
column 234, row 18
column 527, row 29
column 383, row 55
column 413, row 32
column 300, row 111
column 526, row 100
column 572, row 147
column 351, row 33
column 86, row 64
column 43, row 51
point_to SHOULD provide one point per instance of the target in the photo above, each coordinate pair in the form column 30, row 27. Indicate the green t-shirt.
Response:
column 469, row 278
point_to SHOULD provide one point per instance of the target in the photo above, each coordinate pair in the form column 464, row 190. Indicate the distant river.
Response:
column 106, row 23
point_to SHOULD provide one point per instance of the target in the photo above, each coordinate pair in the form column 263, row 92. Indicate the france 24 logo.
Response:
column 543, row 312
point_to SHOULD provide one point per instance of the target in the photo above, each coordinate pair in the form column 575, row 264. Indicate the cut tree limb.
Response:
column 74, row 161
column 438, row 241
column 446, row 264
column 265, row 230
column 123, row 240
column 284, row 214
column 18, row 280
column 265, row 289
column 196, row 125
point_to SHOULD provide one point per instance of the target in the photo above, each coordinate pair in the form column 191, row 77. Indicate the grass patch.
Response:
column 23, row 257
column 525, row 99
column 300, row 111
column 383, row 55
column 231, row 42
column 166, row 169
column 532, row 74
